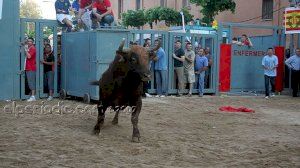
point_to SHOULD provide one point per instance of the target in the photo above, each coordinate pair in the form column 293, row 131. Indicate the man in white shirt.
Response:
column 270, row 63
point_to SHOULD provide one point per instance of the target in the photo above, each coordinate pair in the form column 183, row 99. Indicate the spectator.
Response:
column 201, row 65
column 178, row 57
column 160, row 68
column 30, row 67
column 235, row 41
column 188, row 65
column 102, row 12
column 210, row 63
column 245, row 40
column 147, row 42
column 75, row 6
column 294, row 64
column 85, row 10
column 46, row 41
column 270, row 63
column 147, row 84
column 48, row 70
column 62, row 8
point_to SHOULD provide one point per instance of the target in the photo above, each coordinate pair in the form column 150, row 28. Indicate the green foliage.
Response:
column 47, row 32
column 30, row 9
column 153, row 15
column 134, row 18
column 211, row 8
column 169, row 15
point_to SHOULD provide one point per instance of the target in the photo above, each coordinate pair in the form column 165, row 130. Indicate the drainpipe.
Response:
column 278, row 23
column 183, row 22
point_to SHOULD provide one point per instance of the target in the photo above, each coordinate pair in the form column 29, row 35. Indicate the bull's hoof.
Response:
column 136, row 139
column 114, row 121
column 97, row 130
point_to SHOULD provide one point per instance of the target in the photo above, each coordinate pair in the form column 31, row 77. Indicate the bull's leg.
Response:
column 116, row 118
column 101, row 117
column 134, row 120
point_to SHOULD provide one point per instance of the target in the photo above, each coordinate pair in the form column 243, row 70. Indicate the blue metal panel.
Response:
column 9, row 50
column 86, row 55
column 246, row 70
column 108, row 42
column 76, row 62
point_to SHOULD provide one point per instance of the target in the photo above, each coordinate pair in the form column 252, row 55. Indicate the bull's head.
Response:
column 137, row 58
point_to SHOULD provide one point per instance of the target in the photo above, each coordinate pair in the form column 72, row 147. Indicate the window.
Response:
column 185, row 3
column 267, row 10
column 120, row 8
column 138, row 4
column 162, row 3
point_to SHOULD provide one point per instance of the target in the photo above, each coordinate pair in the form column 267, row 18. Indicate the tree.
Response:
column 211, row 8
column 153, row 15
column 134, row 18
column 30, row 9
column 169, row 15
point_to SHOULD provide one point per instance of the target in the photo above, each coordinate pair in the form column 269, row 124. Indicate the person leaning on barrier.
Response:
column 102, row 12
column 179, row 58
column 147, row 84
column 201, row 65
column 48, row 63
column 161, row 69
column 270, row 64
column 188, row 65
column 210, row 63
column 235, row 41
column 294, row 64
column 30, row 67
column 245, row 40
column 62, row 8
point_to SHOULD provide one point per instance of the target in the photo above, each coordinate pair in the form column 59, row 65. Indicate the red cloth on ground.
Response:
column 233, row 109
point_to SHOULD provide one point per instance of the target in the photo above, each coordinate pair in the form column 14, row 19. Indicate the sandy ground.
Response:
column 176, row 132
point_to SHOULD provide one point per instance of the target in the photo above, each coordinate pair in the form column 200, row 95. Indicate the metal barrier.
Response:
column 9, row 51
column 168, row 39
column 40, row 27
column 86, row 55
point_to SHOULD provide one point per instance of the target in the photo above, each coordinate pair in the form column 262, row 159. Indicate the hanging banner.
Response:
column 1, row 5
column 292, row 20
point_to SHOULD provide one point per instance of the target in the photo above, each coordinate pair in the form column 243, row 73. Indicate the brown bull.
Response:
column 121, row 85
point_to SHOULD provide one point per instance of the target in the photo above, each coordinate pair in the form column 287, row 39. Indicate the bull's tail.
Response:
column 94, row 83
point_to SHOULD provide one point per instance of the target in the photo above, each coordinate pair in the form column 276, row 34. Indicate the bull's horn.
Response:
column 122, row 45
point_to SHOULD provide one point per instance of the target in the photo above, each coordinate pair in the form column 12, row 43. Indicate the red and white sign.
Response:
column 292, row 20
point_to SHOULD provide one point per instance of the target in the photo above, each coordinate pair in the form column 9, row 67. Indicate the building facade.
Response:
column 260, row 12
column 120, row 6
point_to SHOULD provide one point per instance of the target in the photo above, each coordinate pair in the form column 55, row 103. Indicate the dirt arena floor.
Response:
column 176, row 132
